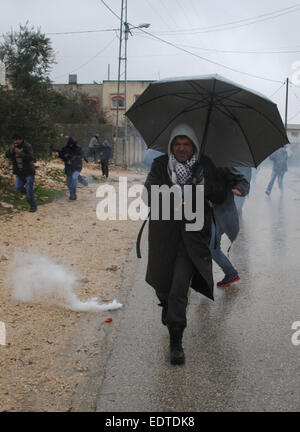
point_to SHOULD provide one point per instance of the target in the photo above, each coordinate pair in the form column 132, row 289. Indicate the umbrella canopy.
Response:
column 235, row 126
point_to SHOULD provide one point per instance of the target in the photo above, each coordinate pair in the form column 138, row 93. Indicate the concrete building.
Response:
column 110, row 98
column 104, row 96
column 293, row 133
column 93, row 92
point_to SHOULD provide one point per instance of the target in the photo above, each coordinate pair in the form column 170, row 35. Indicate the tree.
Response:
column 75, row 107
column 27, row 106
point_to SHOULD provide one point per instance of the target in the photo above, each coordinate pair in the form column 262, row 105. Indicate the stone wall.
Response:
column 124, row 155
column 83, row 133
column 130, row 154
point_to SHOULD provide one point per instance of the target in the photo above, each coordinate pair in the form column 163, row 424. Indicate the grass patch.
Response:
column 9, row 195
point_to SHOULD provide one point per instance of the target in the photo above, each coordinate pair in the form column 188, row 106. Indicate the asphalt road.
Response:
column 239, row 350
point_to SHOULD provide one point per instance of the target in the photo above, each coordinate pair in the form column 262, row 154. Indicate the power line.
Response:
column 168, row 14
column 240, row 52
column 294, row 85
column 184, row 46
column 81, row 32
column 196, row 55
column 161, row 16
column 238, row 23
column 114, row 13
column 207, row 60
column 273, row 94
column 295, row 115
column 89, row 61
column 184, row 12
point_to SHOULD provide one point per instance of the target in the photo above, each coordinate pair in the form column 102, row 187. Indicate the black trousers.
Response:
column 104, row 167
column 177, row 299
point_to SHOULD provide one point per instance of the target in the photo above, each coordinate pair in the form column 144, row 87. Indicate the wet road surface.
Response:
column 239, row 352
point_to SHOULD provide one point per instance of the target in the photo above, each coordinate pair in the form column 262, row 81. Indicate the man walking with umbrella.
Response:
column 236, row 127
column 178, row 258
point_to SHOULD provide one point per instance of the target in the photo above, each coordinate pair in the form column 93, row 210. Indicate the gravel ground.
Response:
column 51, row 354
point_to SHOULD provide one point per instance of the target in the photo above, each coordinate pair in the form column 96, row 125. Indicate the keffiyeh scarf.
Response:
column 180, row 173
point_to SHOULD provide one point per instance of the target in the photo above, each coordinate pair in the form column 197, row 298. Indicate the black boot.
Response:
column 164, row 312
column 176, row 351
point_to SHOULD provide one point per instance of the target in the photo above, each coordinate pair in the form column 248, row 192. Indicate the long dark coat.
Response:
column 165, row 235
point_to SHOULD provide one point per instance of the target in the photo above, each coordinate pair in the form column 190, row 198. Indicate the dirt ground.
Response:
column 51, row 351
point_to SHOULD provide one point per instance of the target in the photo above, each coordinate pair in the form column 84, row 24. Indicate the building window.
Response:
column 118, row 101
column 93, row 103
column 295, row 134
column 136, row 97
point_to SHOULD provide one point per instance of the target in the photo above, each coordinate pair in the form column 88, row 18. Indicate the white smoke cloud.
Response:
column 37, row 279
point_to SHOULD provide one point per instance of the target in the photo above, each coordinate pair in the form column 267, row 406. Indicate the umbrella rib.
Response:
column 195, row 86
column 243, row 132
column 233, row 93
column 260, row 113
column 195, row 107
column 229, row 115
column 166, row 126
column 182, row 96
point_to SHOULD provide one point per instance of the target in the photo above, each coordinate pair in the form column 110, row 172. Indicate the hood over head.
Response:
column 71, row 141
column 184, row 130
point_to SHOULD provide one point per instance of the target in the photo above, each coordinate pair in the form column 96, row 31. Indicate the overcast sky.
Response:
column 205, row 28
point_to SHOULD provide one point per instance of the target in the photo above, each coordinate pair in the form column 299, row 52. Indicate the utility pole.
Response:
column 286, row 102
column 125, row 29
column 126, row 26
column 119, row 71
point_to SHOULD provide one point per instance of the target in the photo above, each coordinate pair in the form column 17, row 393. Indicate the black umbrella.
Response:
column 235, row 126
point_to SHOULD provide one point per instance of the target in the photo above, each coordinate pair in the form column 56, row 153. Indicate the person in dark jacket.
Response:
column 226, row 221
column 104, row 154
column 279, row 159
column 72, row 156
column 21, row 155
column 179, row 258
column 240, row 200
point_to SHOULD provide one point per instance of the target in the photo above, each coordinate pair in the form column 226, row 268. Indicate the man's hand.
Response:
column 197, row 173
column 17, row 150
column 236, row 192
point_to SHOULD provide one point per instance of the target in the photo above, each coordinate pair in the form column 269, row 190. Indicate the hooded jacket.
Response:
column 104, row 151
column 72, row 157
column 184, row 130
column 165, row 235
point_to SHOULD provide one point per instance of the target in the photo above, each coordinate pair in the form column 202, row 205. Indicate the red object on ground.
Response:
column 108, row 320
